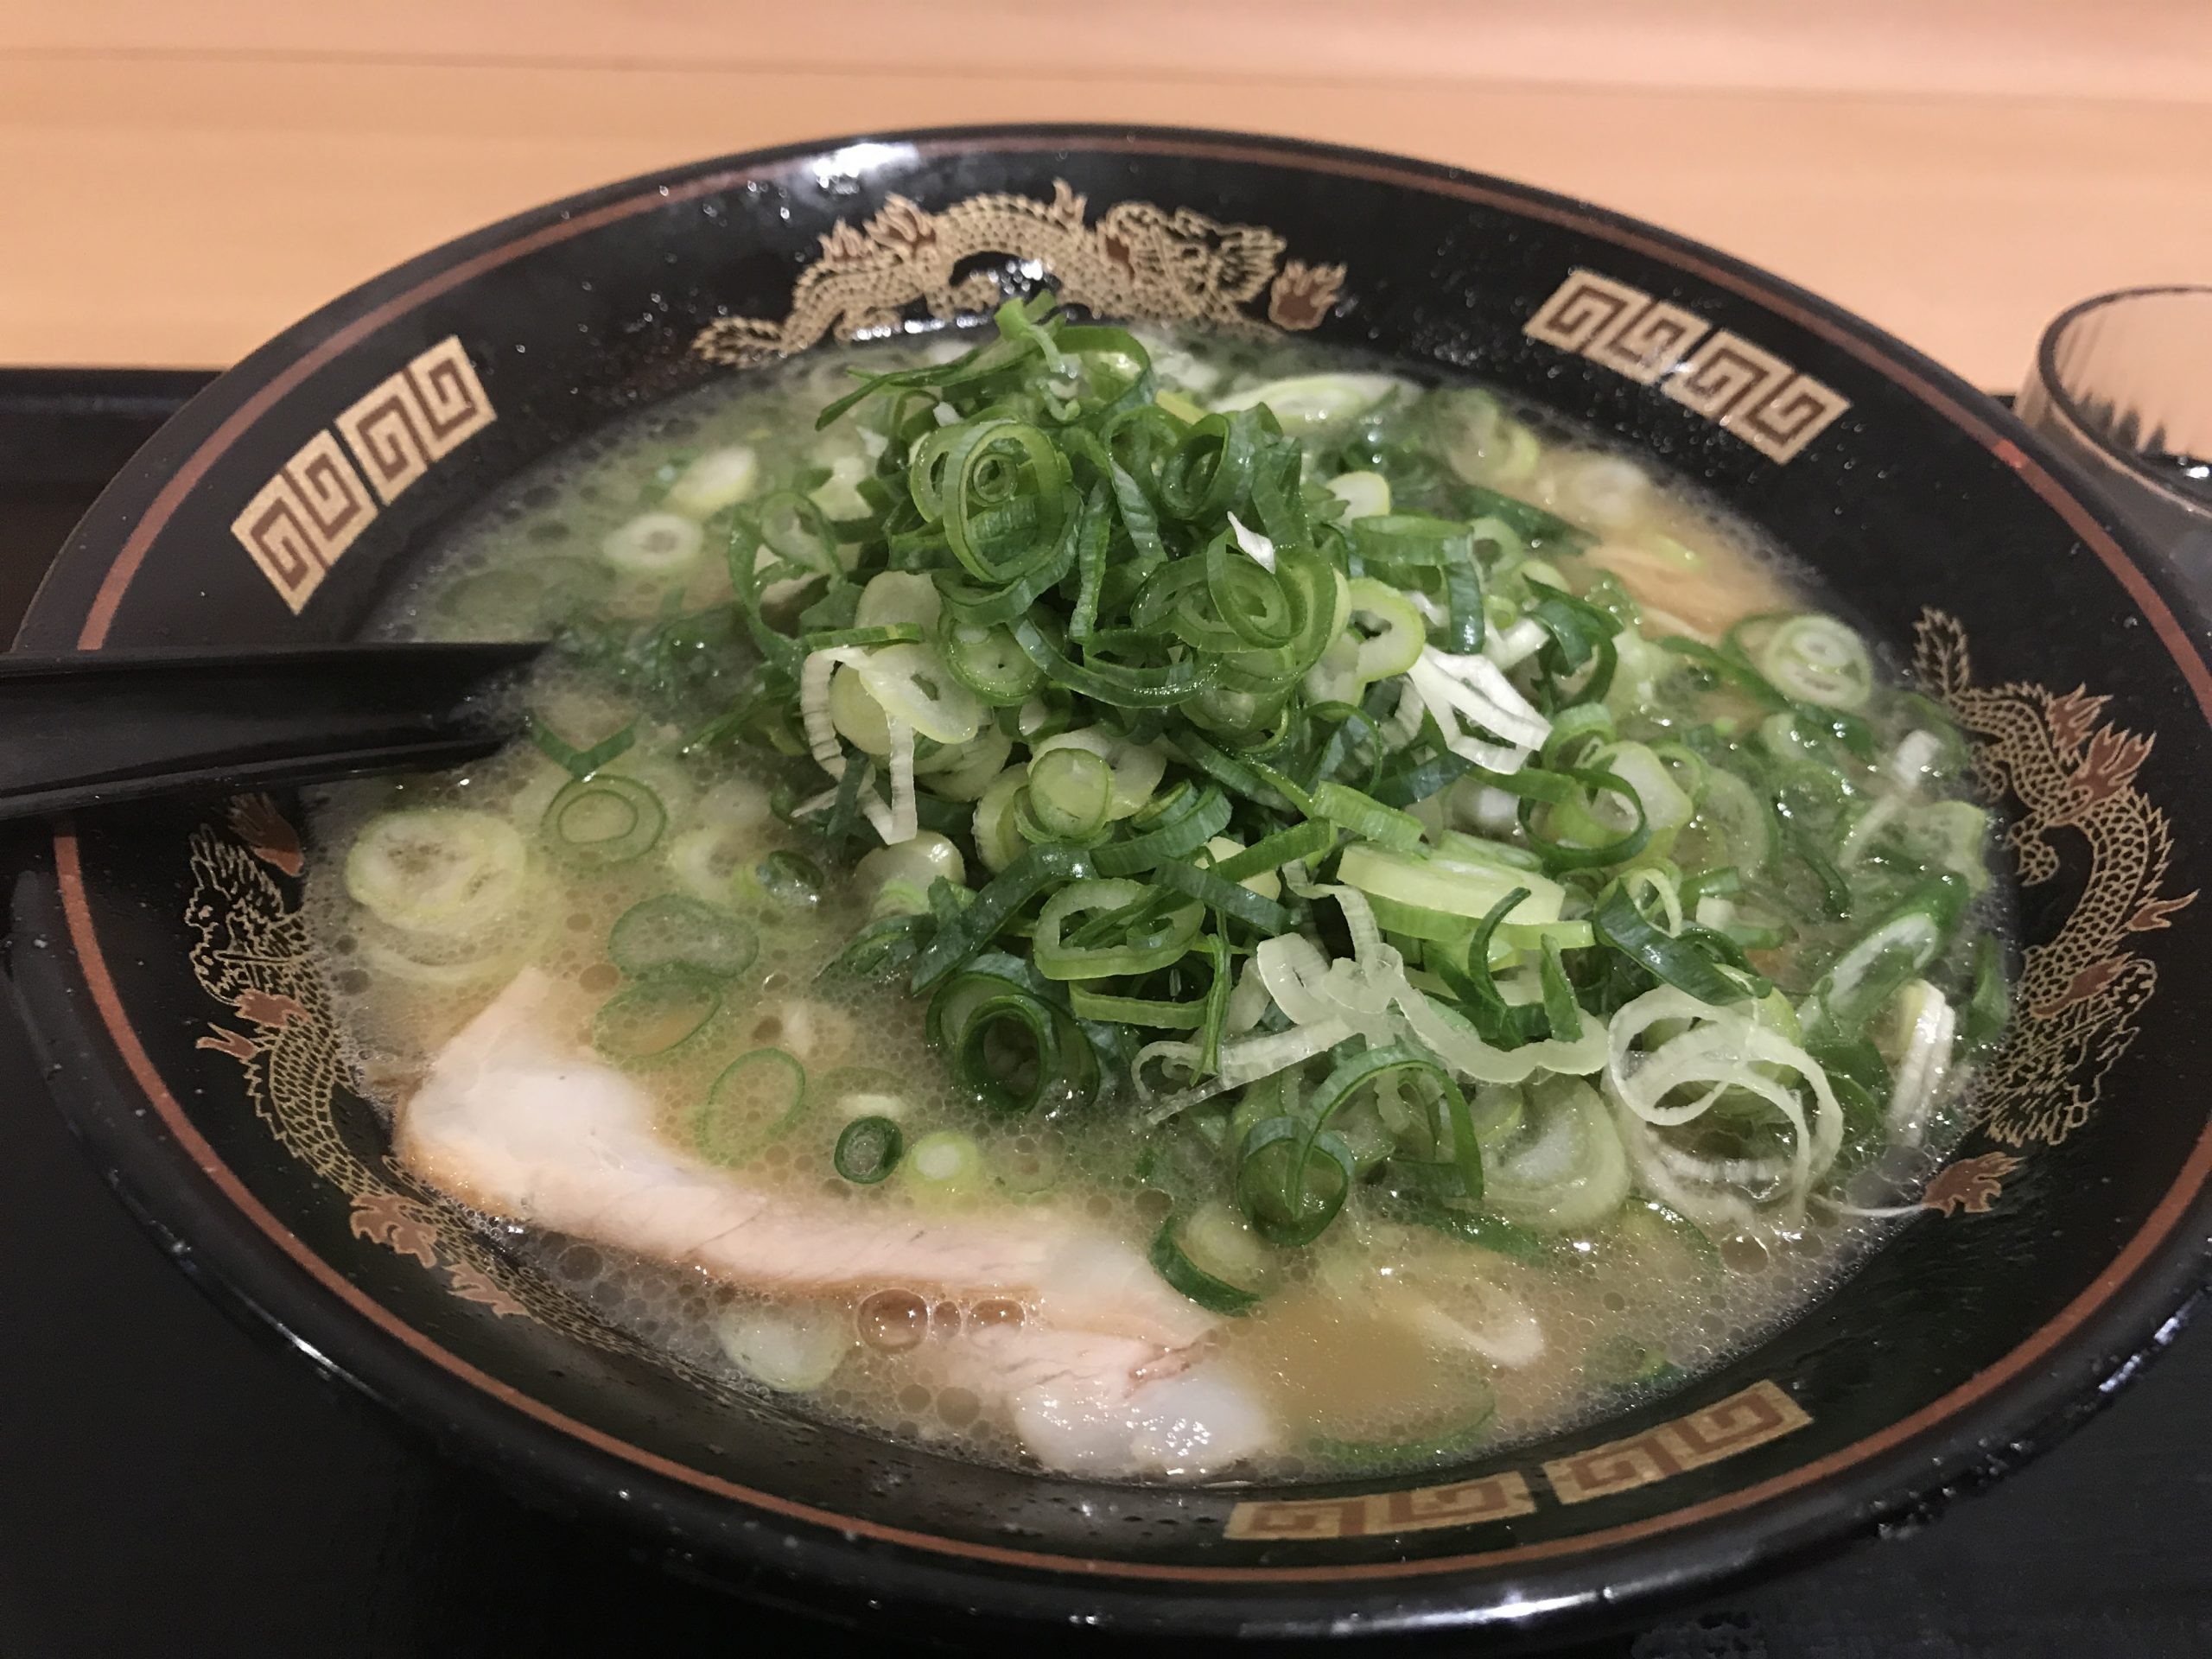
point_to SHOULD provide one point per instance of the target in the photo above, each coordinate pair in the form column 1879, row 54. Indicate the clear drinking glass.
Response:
column 2123, row 384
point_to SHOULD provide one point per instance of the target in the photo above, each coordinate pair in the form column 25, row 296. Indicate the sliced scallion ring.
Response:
column 1363, row 815
column 1136, row 768
column 789, row 879
column 1313, row 400
column 707, row 862
column 671, row 930
column 869, row 1149
column 1172, row 1260
column 1290, row 1182
column 912, row 683
column 718, row 478
column 1565, row 1170
column 944, row 1167
column 988, row 662
column 1678, row 962
column 1068, row 791
column 437, row 869
column 1468, row 1429
column 659, row 545
column 603, row 820
column 757, row 1098
column 654, row 1019
column 792, row 1350
column 1449, row 882
column 996, row 834
column 1153, row 943
column 1817, row 659
column 1365, row 495
column 1399, row 635
column 1010, row 1047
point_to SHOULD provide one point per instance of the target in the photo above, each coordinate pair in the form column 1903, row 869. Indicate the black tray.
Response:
column 169, row 1486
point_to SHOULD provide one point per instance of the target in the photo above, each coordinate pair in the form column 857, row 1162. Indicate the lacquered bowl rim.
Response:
column 180, row 1188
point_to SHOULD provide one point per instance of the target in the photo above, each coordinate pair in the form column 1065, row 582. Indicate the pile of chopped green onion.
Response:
column 1329, row 804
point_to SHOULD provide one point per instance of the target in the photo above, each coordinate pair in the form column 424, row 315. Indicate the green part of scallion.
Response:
column 672, row 930
column 868, row 1150
column 1466, row 1430
column 1187, row 1278
column 789, row 879
column 757, row 1098
column 1680, row 963
column 579, row 762
column 1127, row 654
column 1010, row 1041
column 655, row 1019
column 598, row 822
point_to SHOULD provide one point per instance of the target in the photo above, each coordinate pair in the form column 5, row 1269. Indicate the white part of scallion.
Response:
column 662, row 546
column 1266, row 883
column 1719, row 1049
column 1506, row 1331
column 719, row 479
column 1137, row 768
column 444, row 870
column 1914, row 757
column 962, row 771
column 1926, row 1025
column 897, row 596
column 1817, row 659
column 1365, row 495
column 943, row 1166
column 1567, row 1169
column 1307, row 402
column 792, row 1350
column 1606, row 491
column 1510, row 647
column 914, row 686
column 918, row 861
column 838, row 495
column 1470, row 696
column 998, row 841
column 1262, row 551
column 905, row 811
column 814, row 682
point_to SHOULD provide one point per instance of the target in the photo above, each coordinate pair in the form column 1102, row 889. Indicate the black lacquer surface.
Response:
column 174, row 1485
column 1450, row 269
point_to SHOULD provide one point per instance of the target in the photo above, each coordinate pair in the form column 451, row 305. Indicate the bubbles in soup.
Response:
column 618, row 983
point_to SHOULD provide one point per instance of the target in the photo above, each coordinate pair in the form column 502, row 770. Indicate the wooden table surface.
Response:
column 179, row 181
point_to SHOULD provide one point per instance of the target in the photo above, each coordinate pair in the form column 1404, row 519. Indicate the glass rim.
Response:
column 2062, row 400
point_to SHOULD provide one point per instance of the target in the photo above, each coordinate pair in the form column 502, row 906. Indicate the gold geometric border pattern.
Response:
column 1462, row 1503
column 1752, row 1418
column 298, row 523
column 413, row 420
column 1137, row 261
column 1742, row 389
column 1759, row 1413
column 301, row 521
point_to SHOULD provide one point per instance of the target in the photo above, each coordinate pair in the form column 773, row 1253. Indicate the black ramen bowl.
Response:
column 165, row 971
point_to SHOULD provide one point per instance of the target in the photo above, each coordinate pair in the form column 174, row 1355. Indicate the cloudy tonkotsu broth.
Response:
column 1198, row 907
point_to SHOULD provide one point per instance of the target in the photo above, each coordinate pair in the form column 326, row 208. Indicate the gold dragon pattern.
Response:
column 1139, row 260
column 250, row 951
column 2081, row 991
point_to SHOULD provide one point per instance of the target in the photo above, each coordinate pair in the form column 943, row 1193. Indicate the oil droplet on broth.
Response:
column 894, row 1321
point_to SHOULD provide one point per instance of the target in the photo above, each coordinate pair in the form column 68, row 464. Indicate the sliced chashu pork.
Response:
column 519, row 1122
